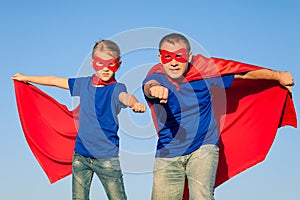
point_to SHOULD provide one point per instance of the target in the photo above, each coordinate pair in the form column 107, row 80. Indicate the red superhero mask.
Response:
column 180, row 55
column 112, row 64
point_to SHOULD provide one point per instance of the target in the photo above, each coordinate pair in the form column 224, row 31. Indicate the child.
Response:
column 101, row 99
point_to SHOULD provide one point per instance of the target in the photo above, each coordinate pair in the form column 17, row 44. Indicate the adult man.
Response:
column 179, row 94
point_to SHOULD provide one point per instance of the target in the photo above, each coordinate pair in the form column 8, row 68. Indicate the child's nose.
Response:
column 105, row 69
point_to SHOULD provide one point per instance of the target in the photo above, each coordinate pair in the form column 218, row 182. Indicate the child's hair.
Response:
column 174, row 38
column 107, row 46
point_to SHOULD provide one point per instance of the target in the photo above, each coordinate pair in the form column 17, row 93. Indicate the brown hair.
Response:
column 108, row 46
column 174, row 38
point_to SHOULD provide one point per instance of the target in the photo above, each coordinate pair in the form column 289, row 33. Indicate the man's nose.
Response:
column 174, row 63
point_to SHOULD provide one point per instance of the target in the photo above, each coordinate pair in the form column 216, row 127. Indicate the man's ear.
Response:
column 91, row 61
column 190, row 57
column 159, row 57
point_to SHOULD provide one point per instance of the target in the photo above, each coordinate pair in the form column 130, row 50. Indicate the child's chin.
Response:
column 105, row 79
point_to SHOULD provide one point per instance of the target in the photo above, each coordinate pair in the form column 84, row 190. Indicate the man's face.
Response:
column 175, row 59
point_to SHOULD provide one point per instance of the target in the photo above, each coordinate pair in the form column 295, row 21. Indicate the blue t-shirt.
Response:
column 98, row 123
column 187, row 120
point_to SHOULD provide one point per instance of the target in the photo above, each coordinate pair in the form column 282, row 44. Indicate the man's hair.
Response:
column 107, row 46
column 174, row 38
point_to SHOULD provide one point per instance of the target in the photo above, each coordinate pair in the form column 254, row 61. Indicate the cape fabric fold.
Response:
column 49, row 128
column 255, row 110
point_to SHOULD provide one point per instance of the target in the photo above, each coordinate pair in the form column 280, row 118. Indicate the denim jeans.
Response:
column 108, row 171
column 199, row 167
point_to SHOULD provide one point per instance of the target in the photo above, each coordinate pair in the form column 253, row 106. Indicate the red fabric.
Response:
column 202, row 67
column 49, row 128
column 180, row 55
column 255, row 109
column 112, row 64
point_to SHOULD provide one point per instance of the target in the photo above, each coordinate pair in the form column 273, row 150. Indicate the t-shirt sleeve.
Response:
column 157, row 77
column 160, row 78
column 120, row 87
column 74, row 86
column 223, row 81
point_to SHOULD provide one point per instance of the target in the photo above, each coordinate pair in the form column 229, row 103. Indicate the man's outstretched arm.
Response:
column 284, row 78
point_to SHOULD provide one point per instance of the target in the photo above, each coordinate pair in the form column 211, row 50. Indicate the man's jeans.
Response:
column 108, row 171
column 200, row 169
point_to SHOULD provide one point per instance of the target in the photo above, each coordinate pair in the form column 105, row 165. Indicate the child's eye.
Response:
column 178, row 55
column 112, row 64
column 99, row 63
column 167, row 56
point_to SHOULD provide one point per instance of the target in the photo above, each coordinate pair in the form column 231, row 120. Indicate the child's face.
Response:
column 103, row 69
column 175, row 59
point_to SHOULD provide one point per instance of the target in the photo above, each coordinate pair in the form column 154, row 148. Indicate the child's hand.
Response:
column 19, row 77
column 138, row 107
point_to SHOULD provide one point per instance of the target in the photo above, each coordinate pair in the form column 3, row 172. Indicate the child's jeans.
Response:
column 108, row 171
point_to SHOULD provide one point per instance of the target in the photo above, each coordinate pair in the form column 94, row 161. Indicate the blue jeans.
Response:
column 108, row 171
column 199, row 167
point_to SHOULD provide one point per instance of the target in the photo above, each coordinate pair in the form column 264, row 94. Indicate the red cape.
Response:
column 255, row 110
column 49, row 128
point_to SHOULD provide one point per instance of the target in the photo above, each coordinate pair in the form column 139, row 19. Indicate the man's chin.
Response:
column 175, row 76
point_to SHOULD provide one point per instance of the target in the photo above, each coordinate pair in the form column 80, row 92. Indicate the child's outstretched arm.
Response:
column 43, row 80
column 132, row 102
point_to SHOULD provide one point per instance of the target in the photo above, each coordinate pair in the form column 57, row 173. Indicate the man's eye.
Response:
column 167, row 56
column 178, row 55
column 99, row 63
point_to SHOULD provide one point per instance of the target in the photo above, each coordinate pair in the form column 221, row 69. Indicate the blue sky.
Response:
column 55, row 38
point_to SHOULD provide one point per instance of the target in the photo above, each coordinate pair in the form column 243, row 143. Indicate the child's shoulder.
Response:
column 81, row 78
column 119, row 87
column 120, row 84
column 79, row 81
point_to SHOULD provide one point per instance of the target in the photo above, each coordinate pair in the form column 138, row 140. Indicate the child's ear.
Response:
column 91, row 61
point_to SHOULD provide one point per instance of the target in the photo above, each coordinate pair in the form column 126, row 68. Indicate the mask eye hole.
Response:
column 100, row 64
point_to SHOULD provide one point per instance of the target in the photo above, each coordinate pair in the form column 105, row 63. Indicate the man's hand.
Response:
column 286, row 80
column 159, row 92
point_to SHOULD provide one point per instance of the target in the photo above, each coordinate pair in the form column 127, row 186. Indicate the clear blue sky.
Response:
column 55, row 38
